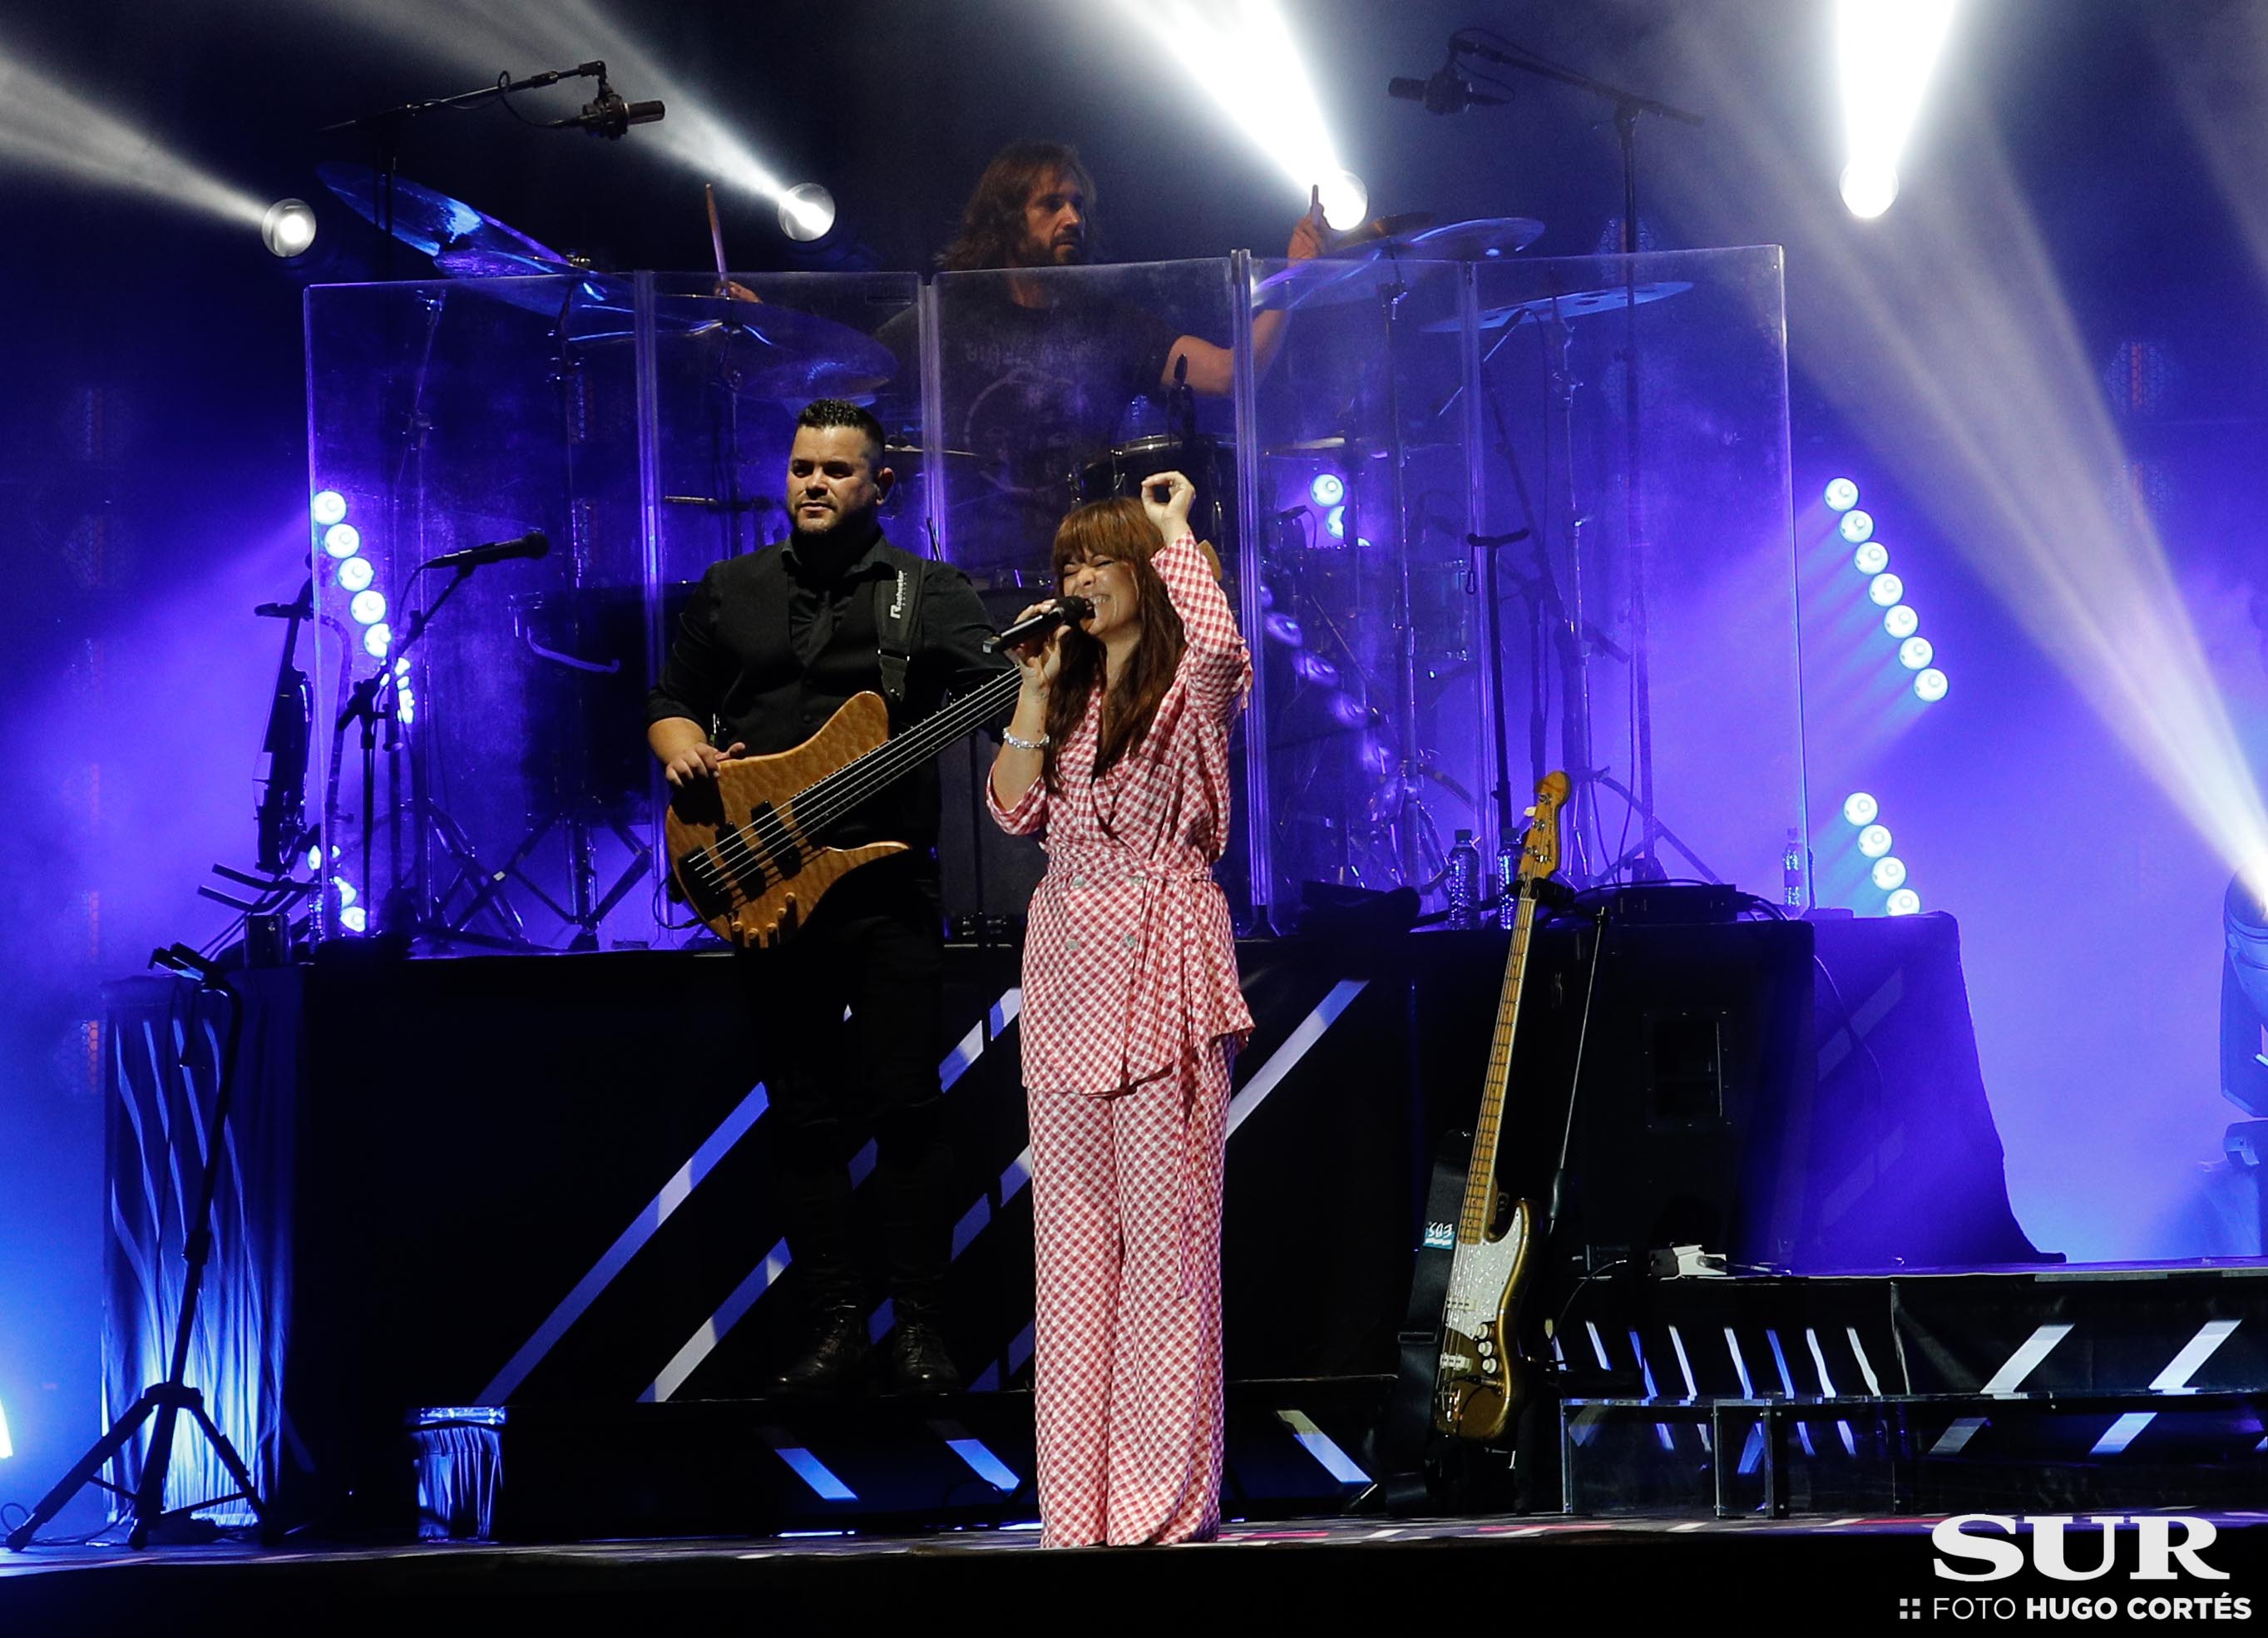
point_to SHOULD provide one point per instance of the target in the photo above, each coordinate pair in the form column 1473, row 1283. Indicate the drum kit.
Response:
column 1381, row 634
column 780, row 357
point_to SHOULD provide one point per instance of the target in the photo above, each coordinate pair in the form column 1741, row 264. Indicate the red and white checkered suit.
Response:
column 1130, row 1003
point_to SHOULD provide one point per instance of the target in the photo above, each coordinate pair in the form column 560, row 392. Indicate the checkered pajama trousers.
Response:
column 1127, row 1195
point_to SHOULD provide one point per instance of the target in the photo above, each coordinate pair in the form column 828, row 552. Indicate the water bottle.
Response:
column 1507, row 883
column 1464, row 882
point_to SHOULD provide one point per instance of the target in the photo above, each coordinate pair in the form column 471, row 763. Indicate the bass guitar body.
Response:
column 1481, row 1381
column 739, row 853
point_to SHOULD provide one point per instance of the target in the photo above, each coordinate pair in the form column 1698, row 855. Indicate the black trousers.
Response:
column 875, row 947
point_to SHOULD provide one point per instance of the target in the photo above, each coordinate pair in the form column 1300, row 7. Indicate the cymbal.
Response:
column 1325, row 282
column 487, row 262
column 784, row 353
column 1364, row 239
column 1375, row 449
column 427, row 220
column 1575, row 304
column 1483, row 240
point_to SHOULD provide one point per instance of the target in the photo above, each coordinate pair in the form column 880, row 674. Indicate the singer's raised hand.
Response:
column 1170, row 516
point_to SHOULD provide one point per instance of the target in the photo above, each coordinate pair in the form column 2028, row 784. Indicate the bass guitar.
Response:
column 749, row 850
column 1482, row 1380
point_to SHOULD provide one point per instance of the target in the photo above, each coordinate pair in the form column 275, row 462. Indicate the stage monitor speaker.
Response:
column 1697, row 1081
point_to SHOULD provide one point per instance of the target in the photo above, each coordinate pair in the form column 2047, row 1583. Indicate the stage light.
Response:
column 1856, row 525
column 1312, row 668
column 1327, row 488
column 289, row 228
column 1889, row 872
column 315, row 858
column 1914, row 653
column 1885, row 51
column 1872, row 558
column 1869, row 190
column 343, row 540
column 354, row 919
column 1904, row 902
column 1930, row 685
column 1346, row 201
column 1285, row 629
column 377, row 639
column 1335, row 522
column 1885, row 589
column 1242, row 54
column 355, row 574
column 1859, row 808
column 346, row 892
column 1875, row 841
column 327, row 507
column 1901, row 622
column 368, row 608
column 807, row 211
column 1841, row 495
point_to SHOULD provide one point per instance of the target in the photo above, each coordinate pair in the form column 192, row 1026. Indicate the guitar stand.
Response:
column 167, row 1400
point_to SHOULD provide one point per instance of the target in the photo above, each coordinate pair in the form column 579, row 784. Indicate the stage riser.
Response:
column 546, row 1181
column 2039, row 1391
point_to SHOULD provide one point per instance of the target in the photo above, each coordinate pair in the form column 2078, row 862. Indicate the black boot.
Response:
column 918, row 1361
column 836, row 1362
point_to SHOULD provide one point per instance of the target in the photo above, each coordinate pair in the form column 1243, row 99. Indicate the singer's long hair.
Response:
column 1120, row 530
column 992, row 221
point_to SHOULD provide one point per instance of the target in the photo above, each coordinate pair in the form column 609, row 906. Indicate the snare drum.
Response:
column 1208, row 462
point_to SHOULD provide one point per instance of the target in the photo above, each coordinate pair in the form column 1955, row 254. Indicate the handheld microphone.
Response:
column 1446, row 93
column 1072, row 609
column 535, row 543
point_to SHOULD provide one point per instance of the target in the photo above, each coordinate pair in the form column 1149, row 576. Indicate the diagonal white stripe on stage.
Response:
column 2019, row 1365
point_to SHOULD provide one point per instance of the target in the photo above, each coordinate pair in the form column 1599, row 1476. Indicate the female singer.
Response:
column 1118, row 755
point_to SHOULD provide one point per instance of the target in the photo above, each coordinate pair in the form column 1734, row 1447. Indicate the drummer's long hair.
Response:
column 992, row 221
column 1120, row 530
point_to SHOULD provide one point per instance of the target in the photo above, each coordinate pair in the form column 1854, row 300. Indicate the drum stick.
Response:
column 717, row 238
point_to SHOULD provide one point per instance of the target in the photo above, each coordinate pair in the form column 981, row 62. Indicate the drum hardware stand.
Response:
column 1414, row 825
column 1628, row 106
column 582, row 911
column 166, row 1400
column 377, row 699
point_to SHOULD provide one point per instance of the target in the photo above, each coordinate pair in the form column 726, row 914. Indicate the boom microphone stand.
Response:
column 166, row 1400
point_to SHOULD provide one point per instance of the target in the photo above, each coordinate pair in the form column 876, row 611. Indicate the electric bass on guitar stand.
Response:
column 1483, row 1379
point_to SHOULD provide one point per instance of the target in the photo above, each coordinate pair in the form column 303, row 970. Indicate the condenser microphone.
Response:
column 535, row 543
column 1446, row 93
column 609, row 116
column 1072, row 609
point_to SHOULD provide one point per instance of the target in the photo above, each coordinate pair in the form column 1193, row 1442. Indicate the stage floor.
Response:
column 1855, row 1571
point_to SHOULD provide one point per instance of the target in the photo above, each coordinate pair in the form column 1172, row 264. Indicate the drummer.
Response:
column 1035, row 385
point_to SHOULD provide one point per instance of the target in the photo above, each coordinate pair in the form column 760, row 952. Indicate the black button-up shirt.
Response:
column 771, row 645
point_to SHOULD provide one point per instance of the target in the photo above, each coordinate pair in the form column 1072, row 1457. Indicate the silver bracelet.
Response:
column 1038, row 744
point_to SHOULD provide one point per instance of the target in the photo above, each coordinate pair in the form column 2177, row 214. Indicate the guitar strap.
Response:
column 898, row 610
